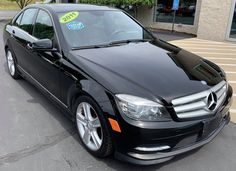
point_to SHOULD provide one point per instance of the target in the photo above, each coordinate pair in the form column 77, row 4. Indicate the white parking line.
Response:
column 196, row 41
column 201, row 42
column 205, row 45
column 232, row 65
column 214, row 53
column 233, row 110
column 230, row 72
column 215, row 49
column 234, row 59
column 232, row 82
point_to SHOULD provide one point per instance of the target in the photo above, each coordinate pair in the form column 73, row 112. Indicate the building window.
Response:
column 184, row 15
column 233, row 27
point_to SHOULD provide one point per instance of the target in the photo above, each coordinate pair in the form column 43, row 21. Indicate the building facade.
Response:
column 207, row 19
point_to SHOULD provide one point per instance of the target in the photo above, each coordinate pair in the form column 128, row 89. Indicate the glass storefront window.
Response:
column 233, row 27
column 184, row 15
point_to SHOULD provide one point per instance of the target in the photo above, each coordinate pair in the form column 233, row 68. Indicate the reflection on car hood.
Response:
column 148, row 68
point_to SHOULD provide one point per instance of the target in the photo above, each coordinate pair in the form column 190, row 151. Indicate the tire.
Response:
column 92, row 128
column 11, row 65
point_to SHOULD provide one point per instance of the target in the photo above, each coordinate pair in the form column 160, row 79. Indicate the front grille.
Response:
column 200, row 104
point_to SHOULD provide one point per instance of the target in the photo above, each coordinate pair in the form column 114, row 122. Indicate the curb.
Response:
column 168, row 32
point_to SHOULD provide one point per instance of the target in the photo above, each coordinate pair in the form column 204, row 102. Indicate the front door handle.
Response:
column 13, row 33
column 29, row 46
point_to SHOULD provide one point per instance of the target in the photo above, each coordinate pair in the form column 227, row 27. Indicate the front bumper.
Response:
column 180, row 137
column 160, row 157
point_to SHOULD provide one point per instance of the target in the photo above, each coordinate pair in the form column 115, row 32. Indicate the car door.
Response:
column 21, row 31
column 46, row 64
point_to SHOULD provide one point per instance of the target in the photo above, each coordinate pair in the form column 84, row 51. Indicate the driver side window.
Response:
column 43, row 28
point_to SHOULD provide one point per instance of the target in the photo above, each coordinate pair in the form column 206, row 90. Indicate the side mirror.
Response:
column 43, row 44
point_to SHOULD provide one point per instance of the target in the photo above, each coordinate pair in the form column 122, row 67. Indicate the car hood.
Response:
column 155, row 69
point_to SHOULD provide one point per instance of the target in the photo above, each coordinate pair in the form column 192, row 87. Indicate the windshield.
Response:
column 89, row 28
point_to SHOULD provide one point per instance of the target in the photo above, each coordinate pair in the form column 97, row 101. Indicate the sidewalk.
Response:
column 169, row 36
column 6, row 15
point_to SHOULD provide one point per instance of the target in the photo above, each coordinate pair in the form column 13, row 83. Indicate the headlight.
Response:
column 141, row 109
column 225, row 75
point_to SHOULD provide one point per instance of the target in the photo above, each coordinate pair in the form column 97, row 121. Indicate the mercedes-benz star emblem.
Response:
column 211, row 101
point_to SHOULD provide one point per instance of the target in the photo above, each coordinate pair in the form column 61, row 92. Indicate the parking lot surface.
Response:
column 36, row 136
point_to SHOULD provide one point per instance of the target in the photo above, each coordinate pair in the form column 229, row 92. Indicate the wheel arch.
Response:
column 93, row 90
column 8, row 46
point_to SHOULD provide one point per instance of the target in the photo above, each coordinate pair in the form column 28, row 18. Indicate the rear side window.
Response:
column 43, row 28
column 27, row 20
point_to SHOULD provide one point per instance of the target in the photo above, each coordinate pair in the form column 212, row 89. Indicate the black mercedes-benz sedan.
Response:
column 130, row 94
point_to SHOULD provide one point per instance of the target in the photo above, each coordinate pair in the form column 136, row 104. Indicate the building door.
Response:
column 232, row 29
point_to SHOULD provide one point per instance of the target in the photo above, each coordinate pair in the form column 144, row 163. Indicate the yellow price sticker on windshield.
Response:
column 70, row 16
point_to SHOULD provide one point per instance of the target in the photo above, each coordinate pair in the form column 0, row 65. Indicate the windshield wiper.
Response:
column 111, row 44
column 90, row 47
column 128, row 41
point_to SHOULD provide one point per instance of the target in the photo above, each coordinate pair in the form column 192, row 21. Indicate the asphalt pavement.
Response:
column 36, row 136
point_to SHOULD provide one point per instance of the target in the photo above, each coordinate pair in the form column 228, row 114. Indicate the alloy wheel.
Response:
column 89, row 126
column 11, row 63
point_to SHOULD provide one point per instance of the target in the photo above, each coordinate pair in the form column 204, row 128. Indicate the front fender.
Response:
column 79, row 84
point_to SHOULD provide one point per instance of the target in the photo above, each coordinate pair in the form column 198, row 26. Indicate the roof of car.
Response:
column 70, row 7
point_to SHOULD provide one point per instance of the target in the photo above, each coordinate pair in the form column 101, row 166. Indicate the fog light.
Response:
column 149, row 149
